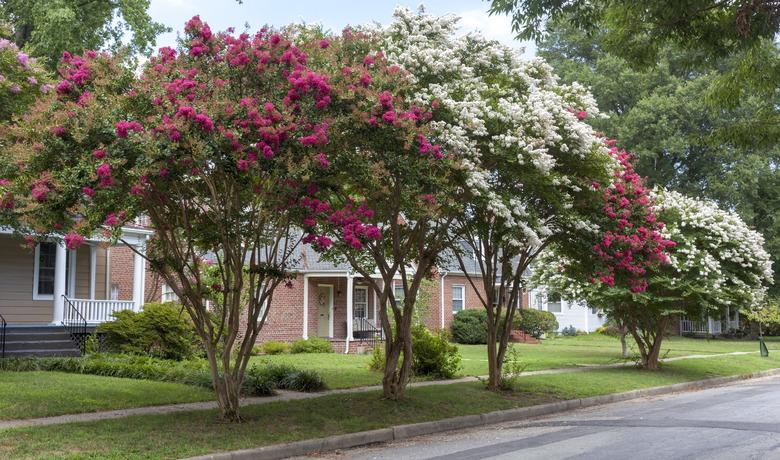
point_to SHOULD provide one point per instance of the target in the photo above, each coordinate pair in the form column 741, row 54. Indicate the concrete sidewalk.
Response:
column 292, row 396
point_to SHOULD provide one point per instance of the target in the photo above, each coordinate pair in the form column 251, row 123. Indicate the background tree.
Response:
column 680, row 141
column 529, row 158
column 716, row 263
column 46, row 28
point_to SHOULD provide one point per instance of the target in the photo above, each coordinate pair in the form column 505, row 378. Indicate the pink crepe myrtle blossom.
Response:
column 88, row 191
column 73, row 241
column 124, row 127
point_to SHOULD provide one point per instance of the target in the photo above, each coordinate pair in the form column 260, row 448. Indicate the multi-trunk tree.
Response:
column 527, row 156
column 665, row 255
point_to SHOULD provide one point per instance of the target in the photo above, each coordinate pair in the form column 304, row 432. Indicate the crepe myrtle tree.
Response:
column 696, row 260
column 220, row 143
column 523, row 145
column 391, row 197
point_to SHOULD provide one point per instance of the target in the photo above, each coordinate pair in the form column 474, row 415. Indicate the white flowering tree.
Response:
column 717, row 262
column 529, row 157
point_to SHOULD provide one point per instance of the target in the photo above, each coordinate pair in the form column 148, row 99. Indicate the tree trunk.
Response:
column 495, row 363
column 227, row 389
column 398, row 365
column 623, row 343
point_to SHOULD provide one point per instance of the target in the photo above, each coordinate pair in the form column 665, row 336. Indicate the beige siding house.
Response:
column 50, row 285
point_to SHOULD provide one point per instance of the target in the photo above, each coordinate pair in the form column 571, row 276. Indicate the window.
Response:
column 360, row 302
column 45, row 259
column 398, row 293
column 554, row 303
column 114, row 292
column 457, row 298
column 168, row 295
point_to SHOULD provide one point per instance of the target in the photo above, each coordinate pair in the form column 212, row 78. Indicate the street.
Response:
column 733, row 422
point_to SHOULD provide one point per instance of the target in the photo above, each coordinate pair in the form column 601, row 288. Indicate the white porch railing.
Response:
column 99, row 311
column 704, row 326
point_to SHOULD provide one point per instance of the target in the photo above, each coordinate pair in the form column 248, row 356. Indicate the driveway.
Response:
column 733, row 422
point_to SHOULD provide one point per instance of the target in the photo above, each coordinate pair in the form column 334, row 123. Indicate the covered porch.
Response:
column 341, row 307
column 49, row 284
column 710, row 325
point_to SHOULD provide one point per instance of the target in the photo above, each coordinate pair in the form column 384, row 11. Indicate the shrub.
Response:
column 470, row 326
column 536, row 322
column 276, row 348
column 161, row 330
column 609, row 330
column 433, row 354
column 377, row 362
column 569, row 331
column 511, row 370
column 311, row 345
column 283, row 377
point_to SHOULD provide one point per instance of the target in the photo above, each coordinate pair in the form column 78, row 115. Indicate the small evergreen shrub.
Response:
column 470, row 326
column 535, row 322
column 302, row 380
column 377, row 362
column 283, row 377
column 161, row 330
column 433, row 354
column 569, row 331
column 311, row 345
column 276, row 348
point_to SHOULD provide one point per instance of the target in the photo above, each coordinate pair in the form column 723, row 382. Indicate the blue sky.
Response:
column 334, row 14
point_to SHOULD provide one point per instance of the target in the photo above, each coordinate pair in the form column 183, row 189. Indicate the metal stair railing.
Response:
column 75, row 323
column 3, row 327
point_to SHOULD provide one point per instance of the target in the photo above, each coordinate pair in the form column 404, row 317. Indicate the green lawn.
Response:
column 39, row 394
column 198, row 432
column 348, row 371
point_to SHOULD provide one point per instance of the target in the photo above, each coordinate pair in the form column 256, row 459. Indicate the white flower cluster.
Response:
column 500, row 110
column 715, row 246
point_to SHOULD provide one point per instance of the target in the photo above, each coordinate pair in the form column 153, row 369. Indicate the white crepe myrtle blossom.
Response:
column 506, row 118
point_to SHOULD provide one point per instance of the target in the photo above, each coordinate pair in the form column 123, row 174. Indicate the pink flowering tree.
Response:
column 391, row 196
column 657, row 256
column 22, row 80
column 221, row 144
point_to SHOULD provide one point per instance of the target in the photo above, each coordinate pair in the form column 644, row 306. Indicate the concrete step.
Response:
column 38, row 336
column 12, row 345
column 40, row 353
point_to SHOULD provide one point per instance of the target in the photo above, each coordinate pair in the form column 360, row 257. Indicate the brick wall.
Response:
column 121, row 275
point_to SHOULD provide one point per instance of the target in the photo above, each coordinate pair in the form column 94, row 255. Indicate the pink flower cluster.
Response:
column 632, row 243
column 124, row 127
column 73, row 241
column 75, row 71
column 318, row 136
column 104, row 175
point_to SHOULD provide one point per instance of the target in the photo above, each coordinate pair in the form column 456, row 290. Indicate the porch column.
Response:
column 350, row 288
column 138, row 278
column 305, row 306
column 60, row 280
column 92, row 269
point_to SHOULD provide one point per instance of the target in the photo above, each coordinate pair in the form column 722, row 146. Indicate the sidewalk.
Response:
column 291, row 396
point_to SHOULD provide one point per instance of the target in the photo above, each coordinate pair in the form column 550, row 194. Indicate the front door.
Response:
column 324, row 310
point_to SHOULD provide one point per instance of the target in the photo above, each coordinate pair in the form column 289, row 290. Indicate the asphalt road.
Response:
column 739, row 421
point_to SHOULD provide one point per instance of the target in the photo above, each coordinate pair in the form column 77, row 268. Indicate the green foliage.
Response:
column 311, row 345
column 512, row 368
column 470, row 326
column 433, row 354
column 275, row 348
column 536, row 322
column 161, row 330
column 190, row 372
column 92, row 344
column 263, row 380
column 608, row 330
column 377, row 362
column 47, row 28
column 569, row 331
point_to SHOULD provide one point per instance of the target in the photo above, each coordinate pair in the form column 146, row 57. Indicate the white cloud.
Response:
column 497, row 27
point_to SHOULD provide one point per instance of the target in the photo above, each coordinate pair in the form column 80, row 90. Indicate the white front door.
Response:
column 324, row 310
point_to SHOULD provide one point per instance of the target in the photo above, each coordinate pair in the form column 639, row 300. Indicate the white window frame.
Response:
column 36, row 273
column 364, row 304
column 167, row 294
column 398, row 285
column 462, row 289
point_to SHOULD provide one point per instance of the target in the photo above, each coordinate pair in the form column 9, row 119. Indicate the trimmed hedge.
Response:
column 433, row 354
column 311, row 345
column 470, row 326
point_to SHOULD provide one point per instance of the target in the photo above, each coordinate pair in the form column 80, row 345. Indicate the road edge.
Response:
column 400, row 432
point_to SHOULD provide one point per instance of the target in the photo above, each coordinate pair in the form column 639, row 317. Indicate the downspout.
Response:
column 441, row 298
column 346, row 308
column 107, row 294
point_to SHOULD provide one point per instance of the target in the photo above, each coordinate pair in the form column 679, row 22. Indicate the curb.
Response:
column 396, row 433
